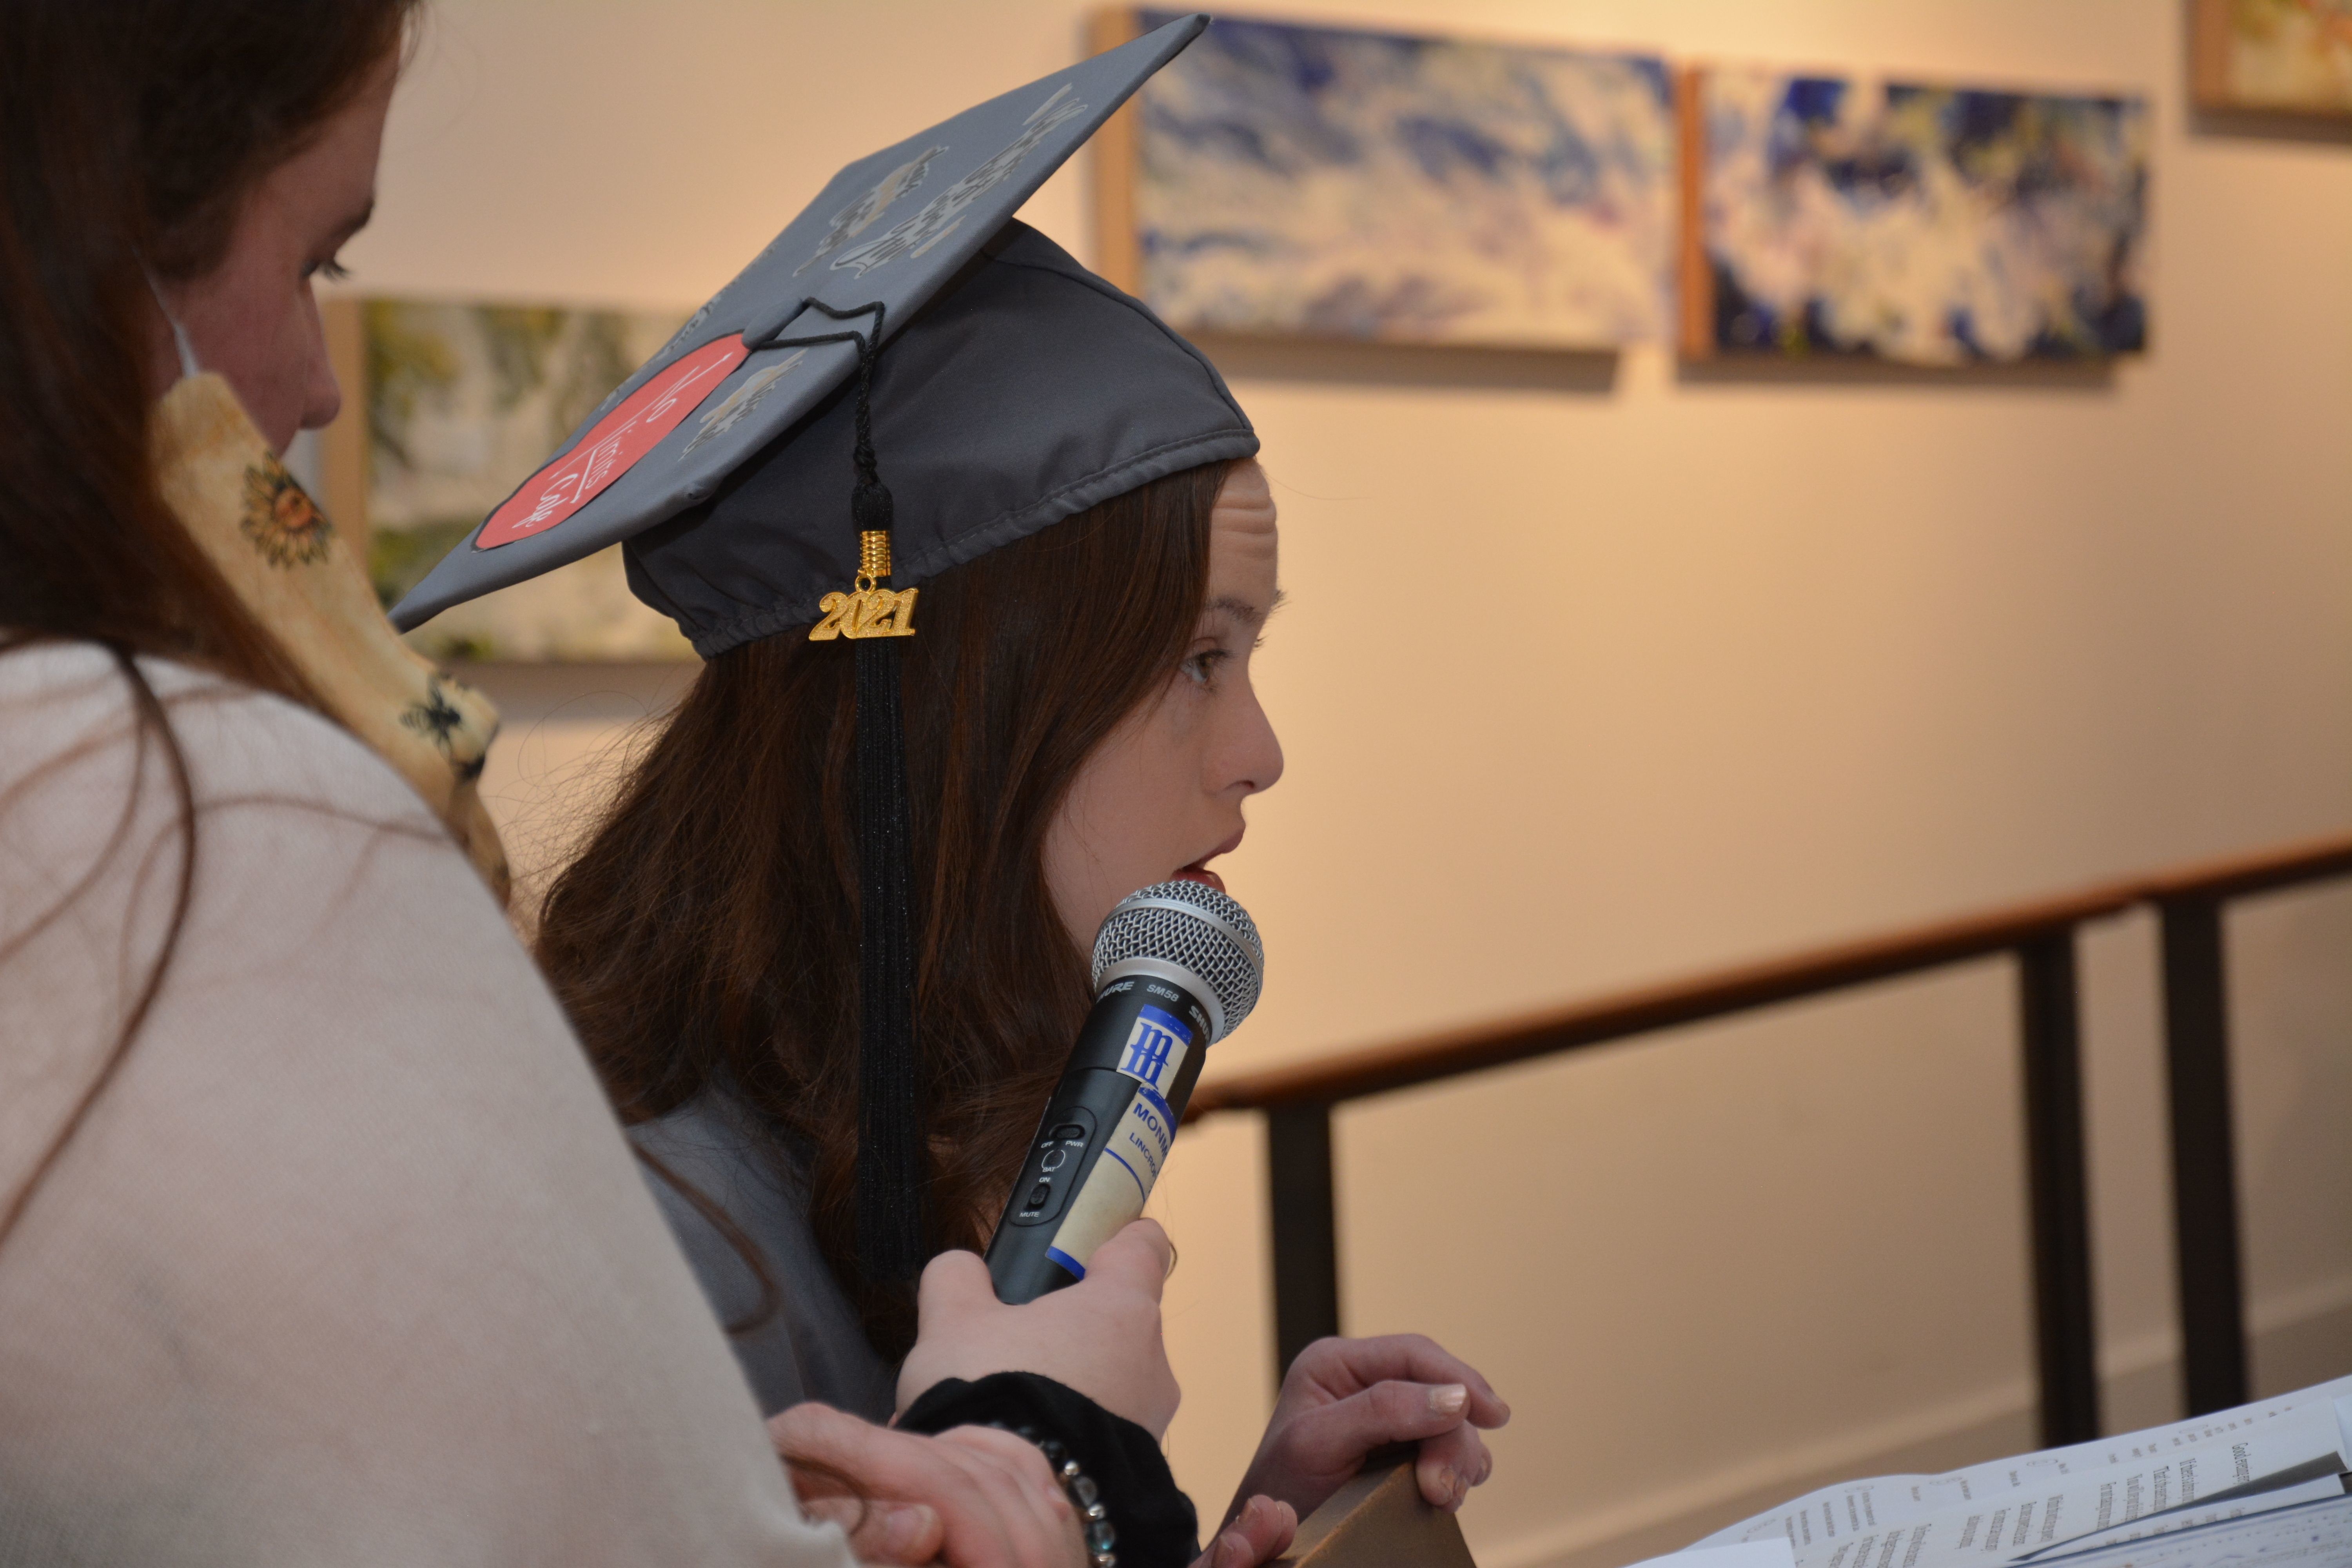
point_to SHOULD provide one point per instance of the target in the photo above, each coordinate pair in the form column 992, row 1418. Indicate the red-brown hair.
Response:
column 707, row 935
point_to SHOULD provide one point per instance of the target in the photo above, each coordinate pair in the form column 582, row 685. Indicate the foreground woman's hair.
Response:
column 131, row 133
column 708, row 933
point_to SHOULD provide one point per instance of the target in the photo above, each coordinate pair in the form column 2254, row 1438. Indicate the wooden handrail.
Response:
column 1379, row 1068
column 2309, row 860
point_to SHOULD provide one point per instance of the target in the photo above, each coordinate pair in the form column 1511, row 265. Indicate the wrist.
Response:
column 1154, row 1520
column 1095, row 1527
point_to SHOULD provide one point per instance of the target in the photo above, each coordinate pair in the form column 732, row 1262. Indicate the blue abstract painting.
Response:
column 1311, row 180
column 1928, row 225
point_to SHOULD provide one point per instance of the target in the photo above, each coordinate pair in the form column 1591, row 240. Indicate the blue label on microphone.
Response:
column 1155, row 1047
column 1133, row 1152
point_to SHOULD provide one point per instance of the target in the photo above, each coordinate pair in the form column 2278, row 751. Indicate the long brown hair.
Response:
column 707, row 935
column 131, row 133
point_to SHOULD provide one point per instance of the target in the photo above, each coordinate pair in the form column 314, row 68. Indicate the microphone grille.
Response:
column 1196, row 927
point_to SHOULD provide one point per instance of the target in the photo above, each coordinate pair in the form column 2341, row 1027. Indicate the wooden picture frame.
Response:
column 2231, row 73
column 1694, row 278
column 344, row 445
column 1118, row 246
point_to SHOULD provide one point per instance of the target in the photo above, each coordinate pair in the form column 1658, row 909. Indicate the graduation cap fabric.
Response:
column 903, row 380
column 889, row 229
column 1027, row 393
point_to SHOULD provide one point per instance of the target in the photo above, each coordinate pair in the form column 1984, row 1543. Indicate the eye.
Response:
column 1201, row 668
column 332, row 271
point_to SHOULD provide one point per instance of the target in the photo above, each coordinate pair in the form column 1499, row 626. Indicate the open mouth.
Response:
column 1198, row 871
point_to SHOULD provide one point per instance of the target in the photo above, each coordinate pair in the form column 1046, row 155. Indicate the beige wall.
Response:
column 1790, row 657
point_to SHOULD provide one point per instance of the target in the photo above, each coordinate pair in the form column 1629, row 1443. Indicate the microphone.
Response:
column 1177, row 968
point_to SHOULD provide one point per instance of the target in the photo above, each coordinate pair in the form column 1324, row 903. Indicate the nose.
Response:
column 323, row 397
column 1252, row 754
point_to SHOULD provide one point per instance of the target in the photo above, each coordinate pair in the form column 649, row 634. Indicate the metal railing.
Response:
column 1298, row 1101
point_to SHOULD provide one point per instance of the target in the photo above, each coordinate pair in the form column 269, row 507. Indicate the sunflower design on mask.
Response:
column 284, row 523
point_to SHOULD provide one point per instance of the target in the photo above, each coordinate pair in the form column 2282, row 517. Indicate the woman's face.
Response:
column 254, row 317
column 1163, row 796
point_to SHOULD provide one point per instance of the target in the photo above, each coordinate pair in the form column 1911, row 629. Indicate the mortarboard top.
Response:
column 890, row 228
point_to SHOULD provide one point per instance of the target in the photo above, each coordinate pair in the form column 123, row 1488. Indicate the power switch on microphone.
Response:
column 1057, row 1159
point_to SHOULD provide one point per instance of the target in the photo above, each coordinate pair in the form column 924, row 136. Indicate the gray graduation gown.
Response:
column 813, row 1348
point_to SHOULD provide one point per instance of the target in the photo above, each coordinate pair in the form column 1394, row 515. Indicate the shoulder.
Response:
column 728, row 1149
column 712, row 1167
column 305, row 866
column 797, row 1334
column 117, row 904
column 72, row 715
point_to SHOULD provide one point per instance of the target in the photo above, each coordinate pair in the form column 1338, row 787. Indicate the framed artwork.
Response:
column 1297, row 181
column 1925, row 224
column 461, row 402
column 2279, row 56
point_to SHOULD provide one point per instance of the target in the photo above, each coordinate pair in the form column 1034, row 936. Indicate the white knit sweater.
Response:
column 349, row 1263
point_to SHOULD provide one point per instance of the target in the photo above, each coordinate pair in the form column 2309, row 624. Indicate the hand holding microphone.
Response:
column 1177, row 967
column 1101, row 1338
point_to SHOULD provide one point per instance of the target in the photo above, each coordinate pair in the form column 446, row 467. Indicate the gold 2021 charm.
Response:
column 869, row 610
column 867, row 613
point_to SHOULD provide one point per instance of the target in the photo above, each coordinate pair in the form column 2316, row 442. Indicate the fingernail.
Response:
column 1449, row 1398
column 906, row 1528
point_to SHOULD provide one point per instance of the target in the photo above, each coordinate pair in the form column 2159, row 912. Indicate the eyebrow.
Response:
column 1249, row 614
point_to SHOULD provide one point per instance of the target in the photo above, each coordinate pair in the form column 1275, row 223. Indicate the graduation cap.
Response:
column 743, row 468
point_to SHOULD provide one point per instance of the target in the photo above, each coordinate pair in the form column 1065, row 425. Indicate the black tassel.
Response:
column 892, row 1145
column 890, row 1154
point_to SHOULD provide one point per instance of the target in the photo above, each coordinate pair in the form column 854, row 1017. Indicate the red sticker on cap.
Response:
column 619, row 439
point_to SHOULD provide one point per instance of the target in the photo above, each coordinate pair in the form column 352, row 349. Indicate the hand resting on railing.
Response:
column 1344, row 1398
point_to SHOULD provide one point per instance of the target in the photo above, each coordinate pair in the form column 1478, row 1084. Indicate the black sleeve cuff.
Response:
column 1156, row 1525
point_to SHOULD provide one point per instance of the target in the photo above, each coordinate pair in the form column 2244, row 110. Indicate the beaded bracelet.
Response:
column 1084, row 1496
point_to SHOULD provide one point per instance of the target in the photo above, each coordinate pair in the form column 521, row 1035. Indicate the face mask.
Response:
column 302, row 581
